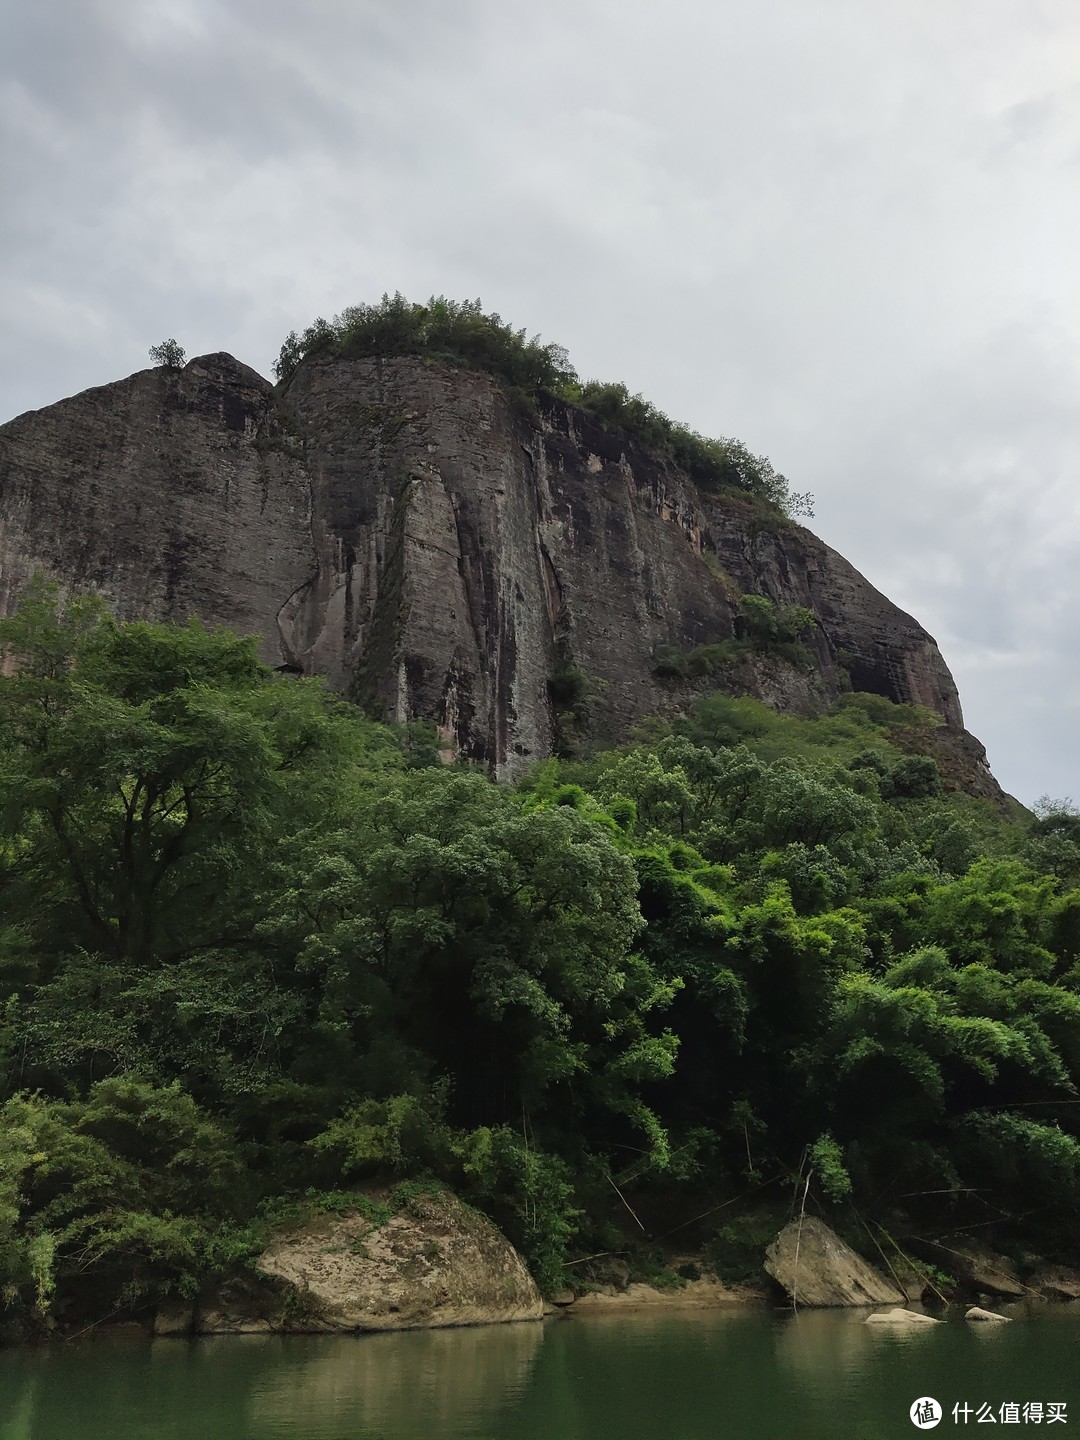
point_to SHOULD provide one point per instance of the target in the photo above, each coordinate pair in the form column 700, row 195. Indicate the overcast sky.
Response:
column 844, row 231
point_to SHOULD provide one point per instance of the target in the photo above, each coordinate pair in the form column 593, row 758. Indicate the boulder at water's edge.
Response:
column 816, row 1267
column 436, row 1262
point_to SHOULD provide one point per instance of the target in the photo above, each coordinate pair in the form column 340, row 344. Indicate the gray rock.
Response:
column 902, row 1319
column 397, row 527
column 816, row 1267
column 437, row 1263
column 977, row 1314
column 171, row 493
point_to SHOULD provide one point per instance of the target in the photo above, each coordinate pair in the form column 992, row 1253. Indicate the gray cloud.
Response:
column 844, row 233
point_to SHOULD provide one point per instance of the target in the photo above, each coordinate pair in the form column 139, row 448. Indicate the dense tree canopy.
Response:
column 251, row 950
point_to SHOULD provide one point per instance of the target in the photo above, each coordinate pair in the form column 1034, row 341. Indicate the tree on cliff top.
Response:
column 169, row 354
column 462, row 333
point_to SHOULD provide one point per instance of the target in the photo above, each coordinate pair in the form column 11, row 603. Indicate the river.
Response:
column 743, row 1374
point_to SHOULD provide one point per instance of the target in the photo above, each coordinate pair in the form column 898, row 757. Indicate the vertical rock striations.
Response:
column 397, row 526
column 172, row 493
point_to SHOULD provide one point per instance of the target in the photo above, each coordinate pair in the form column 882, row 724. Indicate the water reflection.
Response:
column 442, row 1382
column 266, row 1387
column 17, row 1408
column 815, row 1342
column 720, row 1375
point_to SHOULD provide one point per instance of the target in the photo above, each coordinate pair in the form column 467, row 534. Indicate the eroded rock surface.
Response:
column 816, row 1267
column 437, row 1262
column 171, row 493
column 395, row 526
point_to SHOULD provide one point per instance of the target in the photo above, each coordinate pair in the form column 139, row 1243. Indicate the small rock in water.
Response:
column 978, row 1314
column 896, row 1316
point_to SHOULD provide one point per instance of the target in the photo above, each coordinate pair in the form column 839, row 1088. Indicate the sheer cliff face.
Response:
column 170, row 493
column 395, row 526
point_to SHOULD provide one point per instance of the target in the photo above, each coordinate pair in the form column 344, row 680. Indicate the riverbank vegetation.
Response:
column 254, row 951
column 463, row 333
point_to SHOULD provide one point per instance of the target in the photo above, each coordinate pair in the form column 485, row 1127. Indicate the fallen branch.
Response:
column 626, row 1202
column 798, row 1242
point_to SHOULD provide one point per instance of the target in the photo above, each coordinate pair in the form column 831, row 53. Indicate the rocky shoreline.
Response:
column 438, row 1263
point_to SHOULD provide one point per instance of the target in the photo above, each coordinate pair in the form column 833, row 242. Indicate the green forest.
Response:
column 530, row 373
column 257, row 950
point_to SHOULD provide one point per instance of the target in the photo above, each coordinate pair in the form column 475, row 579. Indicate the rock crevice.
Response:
column 396, row 526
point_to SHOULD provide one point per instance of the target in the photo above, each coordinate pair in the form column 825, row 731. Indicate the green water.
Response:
column 690, row 1376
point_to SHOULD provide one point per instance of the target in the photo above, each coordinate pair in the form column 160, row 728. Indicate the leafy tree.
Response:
column 169, row 354
column 112, row 1199
column 1054, row 838
column 457, row 332
column 136, row 775
column 253, row 944
column 492, row 945
column 147, row 776
column 912, row 777
column 920, row 1059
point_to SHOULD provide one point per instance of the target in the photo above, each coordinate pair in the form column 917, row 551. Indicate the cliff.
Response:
column 399, row 527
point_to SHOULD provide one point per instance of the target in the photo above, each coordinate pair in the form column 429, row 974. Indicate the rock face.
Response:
column 435, row 1263
column 816, row 1267
column 396, row 526
column 171, row 493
